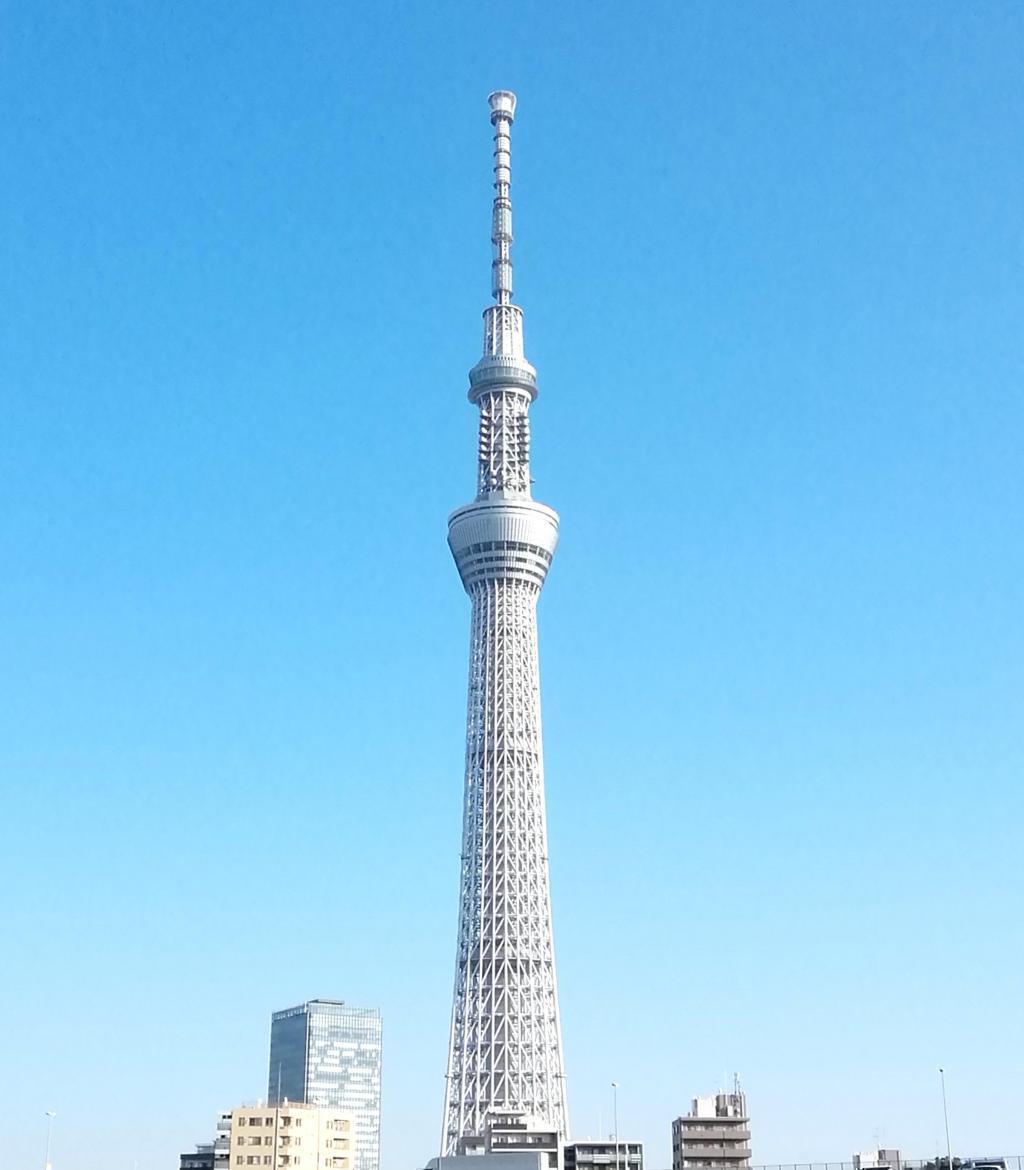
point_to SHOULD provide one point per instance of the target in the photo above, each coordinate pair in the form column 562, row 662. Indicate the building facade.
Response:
column 878, row 1159
column 505, row 1045
column 509, row 1141
column 211, row 1155
column 715, row 1133
column 222, row 1143
column 603, row 1155
column 201, row 1159
column 291, row 1137
column 326, row 1052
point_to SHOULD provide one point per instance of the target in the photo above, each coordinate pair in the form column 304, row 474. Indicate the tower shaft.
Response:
column 505, row 1051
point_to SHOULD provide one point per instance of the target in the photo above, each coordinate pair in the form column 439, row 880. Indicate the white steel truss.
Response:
column 505, row 1051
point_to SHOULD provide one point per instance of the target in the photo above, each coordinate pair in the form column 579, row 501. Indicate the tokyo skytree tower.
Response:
column 505, row 1051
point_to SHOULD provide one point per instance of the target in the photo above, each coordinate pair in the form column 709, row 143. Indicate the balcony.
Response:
column 715, row 1151
column 711, row 1134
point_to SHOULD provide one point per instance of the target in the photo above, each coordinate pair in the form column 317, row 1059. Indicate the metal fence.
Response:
column 1011, row 1162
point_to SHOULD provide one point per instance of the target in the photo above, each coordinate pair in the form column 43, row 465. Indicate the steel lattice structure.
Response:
column 505, row 1051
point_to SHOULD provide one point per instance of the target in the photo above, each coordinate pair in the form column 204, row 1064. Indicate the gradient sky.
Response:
column 770, row 257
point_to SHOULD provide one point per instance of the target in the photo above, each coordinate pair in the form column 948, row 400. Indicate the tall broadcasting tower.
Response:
column 505, row 1051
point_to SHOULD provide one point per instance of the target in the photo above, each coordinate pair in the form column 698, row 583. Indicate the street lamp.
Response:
column 945, row 1118
column 50, row 1115
column 615, row 1120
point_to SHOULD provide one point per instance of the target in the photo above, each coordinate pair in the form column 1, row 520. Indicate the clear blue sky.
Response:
column 771, row 259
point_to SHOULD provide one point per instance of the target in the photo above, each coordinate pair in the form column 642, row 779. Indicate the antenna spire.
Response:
column 503, row 112
column 503, row 364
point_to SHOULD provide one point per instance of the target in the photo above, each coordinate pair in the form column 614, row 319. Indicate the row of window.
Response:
column 506, row 545
column 283, row 1160
column 267, row 1121
column 267, row 1141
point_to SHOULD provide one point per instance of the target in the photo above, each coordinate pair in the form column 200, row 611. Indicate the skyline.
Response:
column 771, row 263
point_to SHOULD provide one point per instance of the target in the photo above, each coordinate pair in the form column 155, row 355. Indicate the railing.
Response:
column 1011, row 1162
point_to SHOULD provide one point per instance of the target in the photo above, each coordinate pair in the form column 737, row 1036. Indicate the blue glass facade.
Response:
column 326, row 1052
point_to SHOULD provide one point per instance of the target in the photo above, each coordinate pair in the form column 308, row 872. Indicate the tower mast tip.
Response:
column 503, row 104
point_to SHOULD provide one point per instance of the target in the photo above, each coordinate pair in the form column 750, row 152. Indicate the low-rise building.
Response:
column 222, row 1143
column 201, row 1159
column 511, row 1140
column 715, row 1133
column 291, row 1137
column 603, row 1155
column 877, row 1160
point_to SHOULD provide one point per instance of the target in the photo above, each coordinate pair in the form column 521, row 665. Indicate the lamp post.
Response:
column 615, row 1120
column 945, row 1118
column 50, row 1115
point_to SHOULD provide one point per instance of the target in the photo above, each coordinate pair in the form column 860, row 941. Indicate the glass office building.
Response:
column 326, row 1052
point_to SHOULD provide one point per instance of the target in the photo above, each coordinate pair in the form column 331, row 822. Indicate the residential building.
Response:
column 222, row 1143
column 603, row 1155
column 511, row 1131
column 201, row 1159
column 291, row 1137
column 211, row 1155
column 327, row 1052
column 715, row 1133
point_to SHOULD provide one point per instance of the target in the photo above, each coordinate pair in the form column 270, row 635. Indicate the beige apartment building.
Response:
column 290, row 1137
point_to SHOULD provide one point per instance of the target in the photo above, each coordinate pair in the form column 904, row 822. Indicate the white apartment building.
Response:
column 877, row 1159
